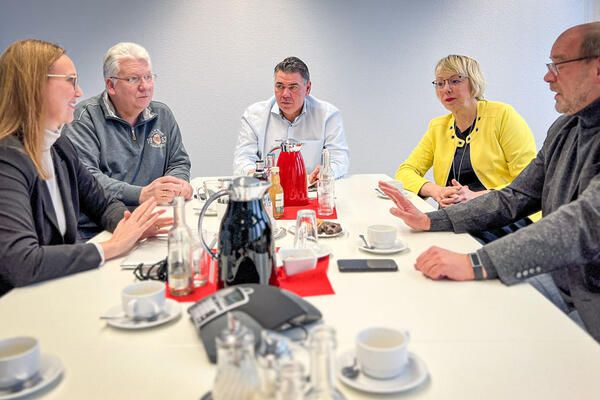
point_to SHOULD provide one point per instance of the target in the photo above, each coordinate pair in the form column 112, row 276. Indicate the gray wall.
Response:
column 373, row 59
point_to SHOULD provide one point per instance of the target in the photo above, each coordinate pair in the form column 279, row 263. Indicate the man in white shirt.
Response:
column 292, row 114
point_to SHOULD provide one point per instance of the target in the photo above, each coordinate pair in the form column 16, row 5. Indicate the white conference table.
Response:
column 480, row 340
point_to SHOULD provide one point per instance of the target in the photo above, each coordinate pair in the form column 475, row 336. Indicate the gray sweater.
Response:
column 564, row 182
column 125, row 158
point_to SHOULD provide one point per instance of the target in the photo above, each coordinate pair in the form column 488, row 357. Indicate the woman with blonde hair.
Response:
column 480, row 145
column 43, row 186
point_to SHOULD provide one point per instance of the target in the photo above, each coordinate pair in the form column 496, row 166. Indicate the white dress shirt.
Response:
column 319, row 125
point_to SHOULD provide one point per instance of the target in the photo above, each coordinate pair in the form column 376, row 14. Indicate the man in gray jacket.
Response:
column 563, row 181
column 131, row 144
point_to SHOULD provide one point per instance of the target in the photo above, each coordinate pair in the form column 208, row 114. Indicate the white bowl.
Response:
column 19, row 360
column 298, row 260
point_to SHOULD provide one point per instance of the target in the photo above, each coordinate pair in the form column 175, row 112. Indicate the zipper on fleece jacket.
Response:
column 133, row 136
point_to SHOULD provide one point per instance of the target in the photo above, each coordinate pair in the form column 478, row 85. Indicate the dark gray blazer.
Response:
column 31, row 246
column 564, row 182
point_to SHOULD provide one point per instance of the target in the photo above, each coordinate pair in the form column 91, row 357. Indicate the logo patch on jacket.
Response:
column 157, row 139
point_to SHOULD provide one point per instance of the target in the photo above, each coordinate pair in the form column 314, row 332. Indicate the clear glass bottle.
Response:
column 259, row 171
column 291, row 382
column 180, row 258
column 269, row 163
column 321, row 346
column 326, row 186
column 237, row 375
column 276, row 193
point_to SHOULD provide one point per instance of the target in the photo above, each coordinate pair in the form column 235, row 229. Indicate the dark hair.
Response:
column 590, row 43
column 293, row 64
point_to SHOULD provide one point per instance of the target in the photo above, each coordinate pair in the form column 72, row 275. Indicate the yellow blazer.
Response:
column 502, row 145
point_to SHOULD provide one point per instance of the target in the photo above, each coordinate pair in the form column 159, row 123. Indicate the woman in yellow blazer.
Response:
column 480, row 145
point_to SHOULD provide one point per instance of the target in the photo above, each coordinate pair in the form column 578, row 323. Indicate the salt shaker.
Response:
column 322, row 345
column 291, row 381
column 272, row 353
column 237, row 375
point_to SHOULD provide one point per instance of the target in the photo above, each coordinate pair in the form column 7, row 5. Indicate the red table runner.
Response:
column 309, row 283
column 289, row 212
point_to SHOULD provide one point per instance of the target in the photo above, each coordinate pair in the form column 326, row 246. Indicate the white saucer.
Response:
column 414, row 375
column 292, row 229
column 322, row 250
column 50, row 370
column 396, row 248
column 172, row 310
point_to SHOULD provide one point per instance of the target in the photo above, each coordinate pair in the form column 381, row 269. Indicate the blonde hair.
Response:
column 465, row 66
column 24, row 67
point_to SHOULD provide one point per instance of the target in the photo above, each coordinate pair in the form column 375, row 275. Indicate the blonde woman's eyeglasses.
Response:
column 70, row 78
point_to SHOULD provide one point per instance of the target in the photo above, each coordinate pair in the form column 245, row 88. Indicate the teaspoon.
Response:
column 351, row 371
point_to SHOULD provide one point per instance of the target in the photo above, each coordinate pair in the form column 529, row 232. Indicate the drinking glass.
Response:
column 200, row 261
column 306, row 229
column 211, row 187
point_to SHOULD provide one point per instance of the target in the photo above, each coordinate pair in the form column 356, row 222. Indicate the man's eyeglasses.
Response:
column 452, row 81
column 553, row 67
column 135, row 80
column 70, row 78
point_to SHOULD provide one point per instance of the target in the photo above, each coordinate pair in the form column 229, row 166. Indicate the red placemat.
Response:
column 313, row 282
column 309, row 283
column 200, row 292
column 289, row 212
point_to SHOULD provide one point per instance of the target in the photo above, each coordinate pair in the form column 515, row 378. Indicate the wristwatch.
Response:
column 477, row 266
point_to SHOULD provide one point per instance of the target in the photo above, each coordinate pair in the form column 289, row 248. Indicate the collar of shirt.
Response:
column 275, row 110
column 112, row 112
column 590, row 115
column 50, row 137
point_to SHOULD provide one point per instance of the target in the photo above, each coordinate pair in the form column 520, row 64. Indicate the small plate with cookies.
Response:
column 326, row 229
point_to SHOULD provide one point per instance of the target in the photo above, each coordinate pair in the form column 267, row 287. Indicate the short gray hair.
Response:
column 291, row 65
column 123, row 51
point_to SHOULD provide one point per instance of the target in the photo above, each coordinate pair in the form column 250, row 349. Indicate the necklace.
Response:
column 465, row 146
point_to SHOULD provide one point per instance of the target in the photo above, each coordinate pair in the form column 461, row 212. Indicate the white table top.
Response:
column 478, row 339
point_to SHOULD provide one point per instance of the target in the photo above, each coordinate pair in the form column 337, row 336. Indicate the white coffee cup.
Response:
column 382, row 236
column 382, row 353
column 19, row 360
column 143, row 300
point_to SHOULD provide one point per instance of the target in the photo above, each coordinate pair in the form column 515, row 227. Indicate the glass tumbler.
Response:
column 306, row 230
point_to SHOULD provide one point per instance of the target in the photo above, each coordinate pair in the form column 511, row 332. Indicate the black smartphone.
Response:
column 367, row 265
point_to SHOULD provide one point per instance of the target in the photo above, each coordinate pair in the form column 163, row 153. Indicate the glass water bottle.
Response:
column 180, row 259
column 321, row 346
column 326, row 186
